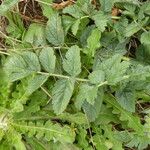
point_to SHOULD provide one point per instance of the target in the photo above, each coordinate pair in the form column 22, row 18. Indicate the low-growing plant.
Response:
column 79, row 80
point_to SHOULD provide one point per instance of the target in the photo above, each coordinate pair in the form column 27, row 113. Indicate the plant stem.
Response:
column 5, row 53
column 62, row 76
column 115, row 17
column 103, row 83
column 46, row 92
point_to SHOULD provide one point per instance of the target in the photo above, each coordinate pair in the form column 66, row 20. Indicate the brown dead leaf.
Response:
column 115, row 11
column 94, row 3
column 63, row 4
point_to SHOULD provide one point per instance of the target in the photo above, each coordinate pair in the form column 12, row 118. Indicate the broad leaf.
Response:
column 61, row 94
column 135, row 27
column 93, row 42
column 47, row 11
column 145, row 38
column 143, row 54
column 20, row 66
column 47, row 59
column 35, row 35
column 100, row 20
column 92, row 111
column 146, row 7
column 86, row 93
column 35, row 83
column 54, row 30
column 114, row 69
column 126, row 99
column 75, row 26
column 74, row 10
column 106, row 5
column 72, row 63
column 97, row 77
column 131, row 29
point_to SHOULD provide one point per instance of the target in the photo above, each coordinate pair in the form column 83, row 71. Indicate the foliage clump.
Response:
column 75, row 77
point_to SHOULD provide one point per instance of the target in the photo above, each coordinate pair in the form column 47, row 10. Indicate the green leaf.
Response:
column 91, row 94
column 111, row 142
column 120, row 28
column 145, row 7
column 20, row 66
column 61, row 94
column 93, row 42
column 47, row 130
column 126, row 98
column 62, row 146
column 16, row 27
column 75, row 26
column 143, row 53
column 123, row 136
column 106, row 116
column 72, row 63
column 147, row 125
column 145, row 38
column 85, row 34
column 114, row 69
column 73, row 10
column 133, row 121
column 106, row 5
column 141, row 142
column 47, row 59
column 36, row 100
column 131, row 29
column 35, row 35
column 35, row 144
column 54, row 30
column 47, row 11
column 97, row 77
column 35, row 83
column 6, row 5
column 78, row 118
column 135, row 27
column 77, row 77
column 92, row 111
column 100, row 20
column 15, row 139
column 86, row 93
column 104, row 145
column 67, row 22
column 82, row 138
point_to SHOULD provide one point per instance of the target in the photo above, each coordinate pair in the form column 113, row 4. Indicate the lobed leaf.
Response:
column 133, row 121
column 49, row 130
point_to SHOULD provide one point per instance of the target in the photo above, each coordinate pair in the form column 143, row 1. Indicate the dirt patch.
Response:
column 31, row 11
